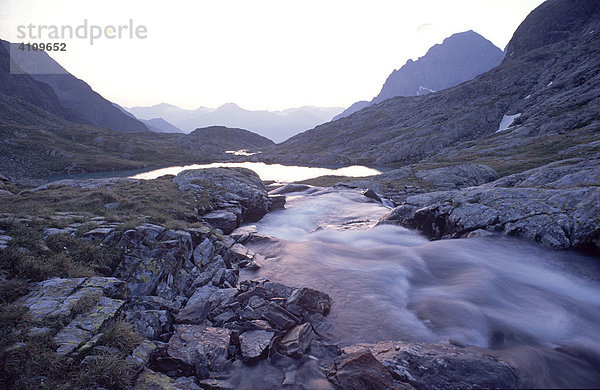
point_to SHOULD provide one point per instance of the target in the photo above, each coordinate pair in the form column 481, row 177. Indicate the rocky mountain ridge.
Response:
column 457, row 59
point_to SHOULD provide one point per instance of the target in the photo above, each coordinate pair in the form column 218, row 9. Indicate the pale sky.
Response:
column 260, row 54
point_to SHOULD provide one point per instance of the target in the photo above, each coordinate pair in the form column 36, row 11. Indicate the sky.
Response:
column 260, row 54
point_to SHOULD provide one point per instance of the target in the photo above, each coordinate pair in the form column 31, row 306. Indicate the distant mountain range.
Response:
column 52, row 123
column 275, row 125
column 459, row 58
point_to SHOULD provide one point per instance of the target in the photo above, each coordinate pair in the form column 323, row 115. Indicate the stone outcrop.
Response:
column 435, row 366
column 557, row 204
column 241, row 195
column 88, row 303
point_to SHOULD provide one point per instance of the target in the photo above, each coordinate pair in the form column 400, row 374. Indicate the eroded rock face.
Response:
column 440, row 366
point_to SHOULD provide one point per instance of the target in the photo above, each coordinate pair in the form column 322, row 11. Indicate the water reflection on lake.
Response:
column 276, row 172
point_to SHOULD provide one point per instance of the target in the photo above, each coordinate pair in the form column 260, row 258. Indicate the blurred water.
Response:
column 390, row 283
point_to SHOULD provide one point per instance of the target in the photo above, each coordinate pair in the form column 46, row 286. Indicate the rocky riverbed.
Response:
column 197, row 323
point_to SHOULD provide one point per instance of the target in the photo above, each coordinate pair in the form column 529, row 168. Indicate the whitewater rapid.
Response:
column 391, row 283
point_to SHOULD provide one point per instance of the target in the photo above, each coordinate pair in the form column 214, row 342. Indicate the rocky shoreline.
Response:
column 557, row 205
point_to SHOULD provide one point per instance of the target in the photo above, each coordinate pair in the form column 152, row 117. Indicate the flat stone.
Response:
column 150, row 380
column 254, row 344
column 205, row 348
column 243, row 233
column 297, row 341
column 279, row 317
column 50, row 298
column 55, row 231
column 70, row 338
column 97, row 234
column 104, row 310
column 225, row 220
column 216, row 384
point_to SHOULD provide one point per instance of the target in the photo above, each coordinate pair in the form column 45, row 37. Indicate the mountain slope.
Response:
column 457, row 59
column 159, row 125
column 555, row 87
column 275, row 125
column 77, row 101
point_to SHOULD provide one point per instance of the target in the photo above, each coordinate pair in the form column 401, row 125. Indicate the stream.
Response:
column 517, row 298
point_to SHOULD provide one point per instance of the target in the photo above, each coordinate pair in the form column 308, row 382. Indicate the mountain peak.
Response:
column 229, row 106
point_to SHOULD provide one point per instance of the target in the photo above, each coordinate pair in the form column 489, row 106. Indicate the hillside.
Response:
column 549, row 85
column 35, row 143
column 58, row 91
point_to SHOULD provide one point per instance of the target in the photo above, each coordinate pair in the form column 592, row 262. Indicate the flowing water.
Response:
column 389, row 283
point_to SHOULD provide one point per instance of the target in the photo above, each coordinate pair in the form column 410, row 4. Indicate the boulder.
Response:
column 276, row 202
column 309, row 300
column 440, row 366
column 140, row 357
column 204, row 252
column 225, row 220
column 204, row 300
column 204, row 348
column 149, row 323
column 297, row 341
column 235, row 186
column 369, row 193
column 254, row 344
column 558, row 218
column 361, row 371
